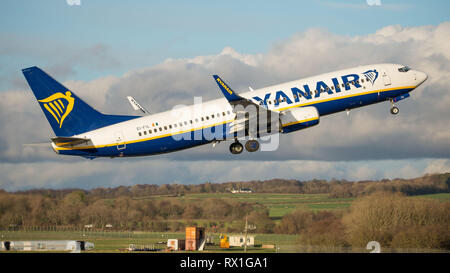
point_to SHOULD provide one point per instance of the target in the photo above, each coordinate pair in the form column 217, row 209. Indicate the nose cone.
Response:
column 420, row 77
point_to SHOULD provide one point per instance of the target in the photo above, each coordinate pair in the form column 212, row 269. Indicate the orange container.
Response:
column 195, row 233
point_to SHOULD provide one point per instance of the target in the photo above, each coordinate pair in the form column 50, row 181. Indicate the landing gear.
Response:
column 252, row 146
column 236, row 148
column 394, row 110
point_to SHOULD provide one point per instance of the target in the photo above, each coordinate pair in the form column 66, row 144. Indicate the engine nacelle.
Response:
column 299, row 118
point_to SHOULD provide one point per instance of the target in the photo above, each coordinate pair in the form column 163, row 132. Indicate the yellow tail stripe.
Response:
column 62, row 105
column 54, row 108
column 51, row 112
column 59, row 107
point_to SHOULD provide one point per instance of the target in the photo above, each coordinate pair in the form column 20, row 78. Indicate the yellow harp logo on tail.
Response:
column 59, row 106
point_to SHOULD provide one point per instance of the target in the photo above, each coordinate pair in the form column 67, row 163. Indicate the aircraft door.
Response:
column 120, row 140
column 386, row 78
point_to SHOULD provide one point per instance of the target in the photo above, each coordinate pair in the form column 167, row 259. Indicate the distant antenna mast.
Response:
column 245, row 232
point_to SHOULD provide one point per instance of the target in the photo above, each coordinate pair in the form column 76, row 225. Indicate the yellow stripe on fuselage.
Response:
column 344, row 97
column 225, row 122
column 301, row 121
column 145, row 139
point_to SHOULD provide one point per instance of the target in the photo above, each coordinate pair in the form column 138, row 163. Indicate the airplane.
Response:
column 81, row 130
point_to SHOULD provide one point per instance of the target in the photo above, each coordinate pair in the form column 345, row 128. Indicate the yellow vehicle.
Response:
column 224, row 242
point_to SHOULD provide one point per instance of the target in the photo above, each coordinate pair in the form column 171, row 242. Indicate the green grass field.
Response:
column 119, row 241
column 436, row 196
column 278, row 205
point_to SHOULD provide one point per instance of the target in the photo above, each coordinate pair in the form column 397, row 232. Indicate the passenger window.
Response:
column 196, row 120
column 207, row 117
column 212, row 116
column 190, row 121
column 223, row 113
column 160, row 129
column 185, row 123
column 175, row 125
column 170, row 126
column 149, row 131
column 203, row 119
column 140, row 134
column 181, row 124
column 332, row 87
column 145, row 132
column 228, row 112
column 155, row 130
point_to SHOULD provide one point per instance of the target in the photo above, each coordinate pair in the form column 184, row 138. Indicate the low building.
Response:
column 242, row 190
column 61, row 245
column 238, row 240
column 176, row 244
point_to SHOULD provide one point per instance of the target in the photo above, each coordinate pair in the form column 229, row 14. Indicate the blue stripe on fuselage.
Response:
column 186, row 140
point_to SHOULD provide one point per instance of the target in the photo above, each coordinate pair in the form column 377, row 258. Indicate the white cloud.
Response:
column 112, row 173
column 420, row 130
column 438, row 166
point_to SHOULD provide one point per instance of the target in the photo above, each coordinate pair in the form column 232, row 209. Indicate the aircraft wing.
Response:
column 236, row 100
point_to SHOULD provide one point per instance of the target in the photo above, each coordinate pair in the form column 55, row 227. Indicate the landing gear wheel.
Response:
column 236, row 148
column 252, row 146
column 394, row 110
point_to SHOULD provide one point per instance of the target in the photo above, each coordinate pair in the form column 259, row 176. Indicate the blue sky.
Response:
column 144, row 33
column 164, row 52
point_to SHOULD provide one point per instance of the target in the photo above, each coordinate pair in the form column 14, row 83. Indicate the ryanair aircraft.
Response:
column 248, row 116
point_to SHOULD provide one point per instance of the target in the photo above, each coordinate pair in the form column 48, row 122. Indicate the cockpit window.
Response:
column 404, row 69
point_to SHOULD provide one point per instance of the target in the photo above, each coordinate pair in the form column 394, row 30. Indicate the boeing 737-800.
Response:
column 284, row 108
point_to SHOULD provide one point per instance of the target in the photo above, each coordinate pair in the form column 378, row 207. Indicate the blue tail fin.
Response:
column 67, row 114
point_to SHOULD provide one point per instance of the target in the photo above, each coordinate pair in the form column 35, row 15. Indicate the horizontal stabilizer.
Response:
column 69, row 141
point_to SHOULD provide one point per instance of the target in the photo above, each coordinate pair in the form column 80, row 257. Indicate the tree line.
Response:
column 427, row 184
column 392, row 219
column 382, row 211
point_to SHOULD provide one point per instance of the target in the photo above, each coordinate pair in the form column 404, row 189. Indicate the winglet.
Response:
column 229, row 94
column 136, row 106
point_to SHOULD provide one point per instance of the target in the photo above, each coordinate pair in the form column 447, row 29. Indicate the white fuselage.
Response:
column 329, row 93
